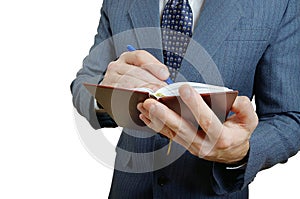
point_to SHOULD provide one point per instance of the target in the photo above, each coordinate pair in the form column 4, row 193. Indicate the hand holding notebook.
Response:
column 208, row 138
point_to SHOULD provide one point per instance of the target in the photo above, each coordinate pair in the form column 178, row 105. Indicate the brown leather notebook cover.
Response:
column 121, row 104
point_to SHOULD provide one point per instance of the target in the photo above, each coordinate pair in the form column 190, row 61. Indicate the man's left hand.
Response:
column 225, row 143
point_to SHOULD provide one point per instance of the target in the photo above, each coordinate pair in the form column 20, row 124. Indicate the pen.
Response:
column 130, row 48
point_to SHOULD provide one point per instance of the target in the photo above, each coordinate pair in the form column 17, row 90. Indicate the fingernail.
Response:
column 139, row 106
column 164, row 74
column 152, row 108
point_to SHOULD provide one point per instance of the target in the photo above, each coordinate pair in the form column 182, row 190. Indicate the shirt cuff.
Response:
column 242, row 166
column 228, row 178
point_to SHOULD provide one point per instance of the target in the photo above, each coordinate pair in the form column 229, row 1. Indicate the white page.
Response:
column 172, row 89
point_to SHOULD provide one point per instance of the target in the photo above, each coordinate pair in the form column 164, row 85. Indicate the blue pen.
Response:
column 130, row 48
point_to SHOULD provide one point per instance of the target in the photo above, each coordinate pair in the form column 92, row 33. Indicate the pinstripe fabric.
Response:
column 255, row 45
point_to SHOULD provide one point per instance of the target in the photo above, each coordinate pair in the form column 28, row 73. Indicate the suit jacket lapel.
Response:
column 145, row 17
column 144, row 13
column 210, row 31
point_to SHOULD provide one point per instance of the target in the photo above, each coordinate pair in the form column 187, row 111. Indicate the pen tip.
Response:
column 169, row 81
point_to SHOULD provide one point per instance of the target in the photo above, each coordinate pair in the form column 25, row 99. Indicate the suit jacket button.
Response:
column 162, row 180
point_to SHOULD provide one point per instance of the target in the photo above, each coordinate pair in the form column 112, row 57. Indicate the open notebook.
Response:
column 121, row 103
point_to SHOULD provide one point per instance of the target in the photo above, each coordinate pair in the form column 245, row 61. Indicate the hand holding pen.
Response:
column 136, row 69
column 130, row 48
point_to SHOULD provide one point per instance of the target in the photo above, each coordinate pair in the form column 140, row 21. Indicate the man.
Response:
column 255, row 46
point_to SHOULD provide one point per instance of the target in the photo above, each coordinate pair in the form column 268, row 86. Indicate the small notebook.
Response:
column 121, row 103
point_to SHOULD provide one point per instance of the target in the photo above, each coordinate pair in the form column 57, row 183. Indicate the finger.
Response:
column 145, row 120
column 154, row 123
column 145, row 116
column 124, row 70
column 144, row 76
column 193, row 144
column 172, row 135
column 245, row 112
column 205, row 117
column 169, row 118
column 146, row 61
column 129, row 81
column 143, row 110
column 196, row 147
column 125, row 81
column 166, row 131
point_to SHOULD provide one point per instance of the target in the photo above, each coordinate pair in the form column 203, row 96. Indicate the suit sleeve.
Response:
column 93, row 70
column 277, row 96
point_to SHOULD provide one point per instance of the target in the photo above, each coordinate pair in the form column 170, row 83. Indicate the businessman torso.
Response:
column 228, row 48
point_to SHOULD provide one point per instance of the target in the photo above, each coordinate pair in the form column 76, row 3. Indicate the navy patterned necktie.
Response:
column 176, row 24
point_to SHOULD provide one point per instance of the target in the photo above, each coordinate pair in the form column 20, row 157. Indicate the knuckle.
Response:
column 123, row 55
column 194, row 151
column 206, row 154
column 207, row 122
column 223, row 143
column 201, row 153
column 164, row 67
column 112, row 66
column 245, row 101
column 139, row 55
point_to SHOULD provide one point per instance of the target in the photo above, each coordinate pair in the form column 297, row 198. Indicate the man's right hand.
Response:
column 136, row 69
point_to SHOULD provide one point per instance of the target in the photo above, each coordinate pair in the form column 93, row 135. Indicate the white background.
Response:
column 42, row 45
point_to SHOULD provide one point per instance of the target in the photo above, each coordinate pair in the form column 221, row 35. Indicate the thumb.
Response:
column 245, row 112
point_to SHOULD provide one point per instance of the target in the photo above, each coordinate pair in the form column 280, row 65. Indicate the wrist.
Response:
column 241, row 164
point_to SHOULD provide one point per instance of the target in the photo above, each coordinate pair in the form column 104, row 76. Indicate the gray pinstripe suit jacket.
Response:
column 256, row 47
